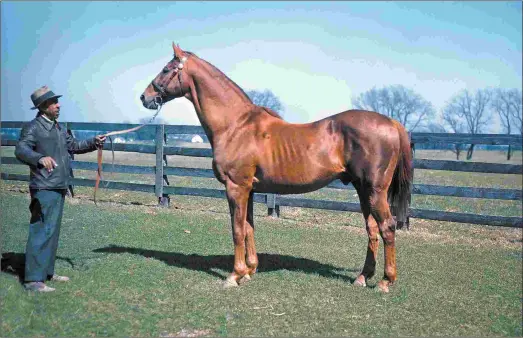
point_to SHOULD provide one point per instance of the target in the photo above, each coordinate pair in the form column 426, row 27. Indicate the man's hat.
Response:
column 41, row 95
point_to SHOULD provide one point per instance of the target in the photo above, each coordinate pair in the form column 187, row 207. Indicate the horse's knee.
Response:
column 238, row 236
column 372, row 228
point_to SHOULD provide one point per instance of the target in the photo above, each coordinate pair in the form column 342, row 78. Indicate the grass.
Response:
column 139, row 270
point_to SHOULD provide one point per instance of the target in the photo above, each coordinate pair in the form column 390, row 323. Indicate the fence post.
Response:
column 413, row 153
column 273, row 209
column 166, row 180
column 163, row 200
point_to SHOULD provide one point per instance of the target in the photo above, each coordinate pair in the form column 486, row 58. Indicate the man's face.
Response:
column 51, row 109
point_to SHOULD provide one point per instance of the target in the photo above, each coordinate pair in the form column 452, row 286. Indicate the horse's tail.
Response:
column 399, row 190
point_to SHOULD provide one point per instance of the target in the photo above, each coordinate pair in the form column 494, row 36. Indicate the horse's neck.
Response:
column 218, row 101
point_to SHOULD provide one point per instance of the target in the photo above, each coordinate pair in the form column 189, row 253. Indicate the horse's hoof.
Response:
column 360, row 281
column 383, row 286
column 229, row 283
column 244, row 279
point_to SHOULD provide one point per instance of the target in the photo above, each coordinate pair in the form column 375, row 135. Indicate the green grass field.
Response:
column 140, row 270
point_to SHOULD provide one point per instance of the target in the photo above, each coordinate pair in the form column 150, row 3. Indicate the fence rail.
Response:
column 162, row 170
column 420, row 189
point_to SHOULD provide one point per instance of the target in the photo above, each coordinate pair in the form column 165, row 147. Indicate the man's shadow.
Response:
column 267, row 262
column 14, row 263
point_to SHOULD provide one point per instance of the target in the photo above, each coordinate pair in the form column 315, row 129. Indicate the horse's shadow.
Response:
column 208, row 264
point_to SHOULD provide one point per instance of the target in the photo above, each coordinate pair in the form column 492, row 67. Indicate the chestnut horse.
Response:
column 255, row 150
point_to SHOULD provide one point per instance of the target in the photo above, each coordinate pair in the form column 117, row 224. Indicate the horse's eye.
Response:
column 166, row 70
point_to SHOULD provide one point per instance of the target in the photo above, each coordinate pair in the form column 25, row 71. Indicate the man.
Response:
column 46, row 147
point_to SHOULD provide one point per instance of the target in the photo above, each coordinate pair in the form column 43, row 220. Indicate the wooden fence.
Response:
column 161, row 170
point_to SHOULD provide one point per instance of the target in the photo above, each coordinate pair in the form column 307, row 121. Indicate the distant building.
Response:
column 197, row 139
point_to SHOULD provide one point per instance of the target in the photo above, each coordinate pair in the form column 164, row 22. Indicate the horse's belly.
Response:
column 287, row 189
column 293, row 181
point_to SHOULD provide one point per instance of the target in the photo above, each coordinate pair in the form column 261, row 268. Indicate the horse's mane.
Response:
column 218, row 73
column 271, row 112
column 215, row 72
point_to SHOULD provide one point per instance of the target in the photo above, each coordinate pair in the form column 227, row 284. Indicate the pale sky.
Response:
column 315, row 56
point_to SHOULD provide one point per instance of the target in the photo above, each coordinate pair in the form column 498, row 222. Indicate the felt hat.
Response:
column 41, row 95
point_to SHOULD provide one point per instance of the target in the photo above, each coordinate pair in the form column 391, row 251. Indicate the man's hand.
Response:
column 99, row 140
column 48, row 162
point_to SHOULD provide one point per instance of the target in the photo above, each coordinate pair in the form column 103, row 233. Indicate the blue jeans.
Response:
column 46, row 217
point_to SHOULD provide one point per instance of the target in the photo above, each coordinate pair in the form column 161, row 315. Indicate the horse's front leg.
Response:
column 252, row 256
column 238, row 197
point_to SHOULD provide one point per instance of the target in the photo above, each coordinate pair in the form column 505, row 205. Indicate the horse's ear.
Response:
column 177, row 51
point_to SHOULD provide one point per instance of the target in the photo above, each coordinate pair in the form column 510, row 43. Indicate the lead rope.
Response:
column 100, row 148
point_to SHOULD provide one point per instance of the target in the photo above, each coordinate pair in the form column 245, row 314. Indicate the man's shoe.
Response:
column 38, row 287
column 56, row 278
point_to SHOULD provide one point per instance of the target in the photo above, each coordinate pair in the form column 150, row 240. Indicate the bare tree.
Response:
column 397, row 102
column 473, row 109
column 456, row 125
column 516, row 100
column 370, row 100
column 507, row 103
column 436, row 128
column 267, row 99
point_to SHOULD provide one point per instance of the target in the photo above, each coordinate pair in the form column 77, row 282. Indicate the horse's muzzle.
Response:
column 150, row 102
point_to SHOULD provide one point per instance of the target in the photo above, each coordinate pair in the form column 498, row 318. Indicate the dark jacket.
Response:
column 40, row 138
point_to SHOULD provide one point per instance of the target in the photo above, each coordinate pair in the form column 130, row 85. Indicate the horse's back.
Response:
column 366, row 124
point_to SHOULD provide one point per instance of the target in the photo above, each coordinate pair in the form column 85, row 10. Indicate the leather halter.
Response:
column 176, row 71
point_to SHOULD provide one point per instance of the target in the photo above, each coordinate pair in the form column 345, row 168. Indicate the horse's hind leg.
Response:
column 380, row 210
column 369, row 268
column 252, row 257
column 378, row 219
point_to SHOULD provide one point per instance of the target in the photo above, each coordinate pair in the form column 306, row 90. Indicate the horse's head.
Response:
column 169, row 84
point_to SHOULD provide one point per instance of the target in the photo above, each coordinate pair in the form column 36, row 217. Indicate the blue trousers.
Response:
column 46, row 217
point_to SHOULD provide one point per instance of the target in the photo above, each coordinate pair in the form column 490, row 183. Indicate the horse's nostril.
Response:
column 142, row 97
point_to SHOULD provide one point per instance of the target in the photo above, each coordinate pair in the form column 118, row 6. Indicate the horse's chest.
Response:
column 233, row 167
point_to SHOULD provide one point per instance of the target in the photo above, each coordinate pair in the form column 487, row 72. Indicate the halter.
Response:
column 161, row 89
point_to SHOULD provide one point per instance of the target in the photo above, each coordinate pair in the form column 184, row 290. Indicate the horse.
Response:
column 255, row 150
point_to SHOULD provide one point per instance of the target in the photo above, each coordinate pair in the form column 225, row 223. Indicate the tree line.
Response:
column 466, row 112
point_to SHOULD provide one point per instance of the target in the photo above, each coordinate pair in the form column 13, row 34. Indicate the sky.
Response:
column 316, row 57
